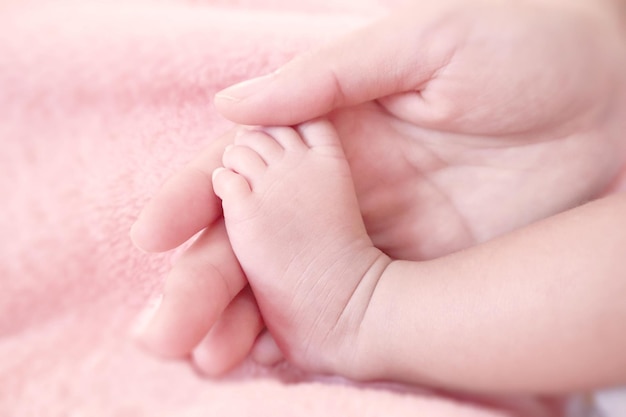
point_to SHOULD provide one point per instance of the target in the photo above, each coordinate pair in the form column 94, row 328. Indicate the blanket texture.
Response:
column 100, row 101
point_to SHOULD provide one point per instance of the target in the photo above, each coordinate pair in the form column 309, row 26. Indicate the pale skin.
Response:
column 432, row 175
column 544, row 304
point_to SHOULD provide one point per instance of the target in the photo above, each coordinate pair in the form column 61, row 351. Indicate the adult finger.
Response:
column 230, row 340
column 397, row 54
column 200, row 286
column 184, row 205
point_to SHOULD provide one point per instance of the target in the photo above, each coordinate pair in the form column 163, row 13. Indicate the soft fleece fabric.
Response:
column 99, row 102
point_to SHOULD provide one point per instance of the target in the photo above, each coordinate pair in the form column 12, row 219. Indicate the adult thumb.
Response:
column 397, row 54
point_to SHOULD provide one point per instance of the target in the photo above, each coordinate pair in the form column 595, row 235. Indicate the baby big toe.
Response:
column 229, row 185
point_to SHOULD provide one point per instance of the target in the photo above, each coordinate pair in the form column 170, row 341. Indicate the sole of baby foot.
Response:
column 293, row 219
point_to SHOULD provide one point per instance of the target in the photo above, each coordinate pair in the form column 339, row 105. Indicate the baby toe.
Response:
column 263, row 144
column 246, row 162
column 229, row 185
column 319, row 133
column 287, row 137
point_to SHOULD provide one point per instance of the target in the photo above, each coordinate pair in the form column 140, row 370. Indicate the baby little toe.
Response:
column 229, row 185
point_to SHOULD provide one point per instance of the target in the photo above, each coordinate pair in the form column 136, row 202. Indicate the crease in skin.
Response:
column 339, row 96
column 376, row 270
column 455, row 207
column 124, row 161
column 436, row 163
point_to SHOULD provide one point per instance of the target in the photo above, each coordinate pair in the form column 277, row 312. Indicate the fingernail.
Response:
column 145, row 317
column 245, row 89
column 176, row 254
column 135, row 236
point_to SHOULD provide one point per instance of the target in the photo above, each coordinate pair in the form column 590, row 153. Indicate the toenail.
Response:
column 216, row 172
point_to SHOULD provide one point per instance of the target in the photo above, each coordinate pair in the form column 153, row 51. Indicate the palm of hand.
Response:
column 509, row 129
column 420, row 200
column 513, row 129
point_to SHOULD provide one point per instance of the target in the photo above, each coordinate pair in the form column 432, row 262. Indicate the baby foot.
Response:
column 293, row 219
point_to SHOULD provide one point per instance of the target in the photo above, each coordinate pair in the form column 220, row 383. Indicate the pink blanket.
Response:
column 99, row 103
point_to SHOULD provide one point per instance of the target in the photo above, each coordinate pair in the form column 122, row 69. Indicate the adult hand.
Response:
column 462, row 120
